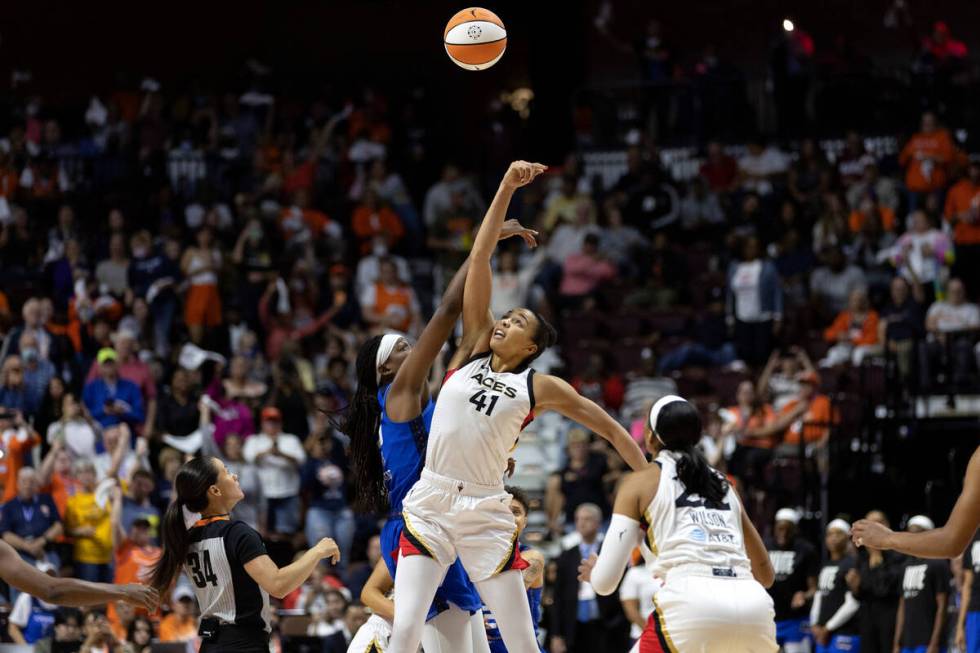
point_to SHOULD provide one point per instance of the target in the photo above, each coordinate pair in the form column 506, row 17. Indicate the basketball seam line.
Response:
column 445, row 42
column 467, row 22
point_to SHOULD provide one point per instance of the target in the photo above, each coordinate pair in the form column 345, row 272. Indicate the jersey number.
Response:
column 690, row 500
column 480, row 401
column 202, row 574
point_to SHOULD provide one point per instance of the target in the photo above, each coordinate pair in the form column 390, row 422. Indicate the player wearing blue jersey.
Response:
column 388, row 424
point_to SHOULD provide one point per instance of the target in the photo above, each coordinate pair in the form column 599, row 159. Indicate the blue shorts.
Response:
column 791, row 631
column 456, row 587
column 920, row 649
column 972, row 629
column 841, row 644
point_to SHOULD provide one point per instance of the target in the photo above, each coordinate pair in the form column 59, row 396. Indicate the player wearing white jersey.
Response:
column 709, row 555
column 459, row 507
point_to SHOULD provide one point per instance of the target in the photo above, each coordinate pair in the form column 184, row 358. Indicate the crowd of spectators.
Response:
column 194, row 273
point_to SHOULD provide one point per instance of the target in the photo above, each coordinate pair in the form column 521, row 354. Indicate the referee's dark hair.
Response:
column 191, row 485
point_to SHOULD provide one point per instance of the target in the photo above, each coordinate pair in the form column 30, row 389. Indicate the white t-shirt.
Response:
column 639, row 585
column 768, row 162
column 954, row 318
column 279, row 476
column 745, row 285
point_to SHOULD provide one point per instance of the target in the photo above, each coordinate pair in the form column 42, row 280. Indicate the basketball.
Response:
column 475, row 38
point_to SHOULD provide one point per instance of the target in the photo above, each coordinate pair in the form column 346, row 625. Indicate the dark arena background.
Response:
column 769, row 208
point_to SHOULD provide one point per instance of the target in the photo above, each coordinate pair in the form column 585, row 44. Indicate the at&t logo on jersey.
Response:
column 914, row 581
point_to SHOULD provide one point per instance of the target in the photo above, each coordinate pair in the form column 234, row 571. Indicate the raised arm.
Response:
column 557, row 395
column 476, row 293
column 69, row 591
column 948, row 541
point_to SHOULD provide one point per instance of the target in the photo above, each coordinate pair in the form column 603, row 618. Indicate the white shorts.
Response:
column 703, row 610
column 447, row 519
column 372, row 637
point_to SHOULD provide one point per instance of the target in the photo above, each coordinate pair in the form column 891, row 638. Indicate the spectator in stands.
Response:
column 884, row 189
column 390, row 303
column 113, row 272
column 568, row 205
column 796, row 564
column 178, row 412
column 832, row 283
column 902, row 323
column 925, row 597
column 833, row 618
column 132, row 368
column 32, row 619
column 514, row 284
column 653, row 203
column 324, row 603
column 779, row 382
column 830, row 229
column 636, row 595
column 134, row 550
column 761, row 168
column 13, row 394
column 18, row 438
column 876, row 581
column 250, row 508
column 324, row 482
column 700, row 208
column 578, row 482
column 583, row 621
column 853, row 161
column 201, row 264
column 154, row 276
column 870, row 250
column 811, row 429
column 952, row 325
column 927, row 158
column 181, row 624
column 279, row 457
column 112, row 400
column 809, row 176
column 97, row 632
column 754, row 303
column 90, row 525
column 64, row 272
column 606, row 389
column 30, row 521
column 854, row 332
column 645, row 387
column 621, row 242
column 923, row 254
column 37, row 373
column 300, row 223
column 391, row 189
column 583, row 274
column 355, row 616
column 139, row 636
column 719, row 170
column 136, row 503
column 438, row 199
column 962, row 213
column 371, row 218
column 870, row 210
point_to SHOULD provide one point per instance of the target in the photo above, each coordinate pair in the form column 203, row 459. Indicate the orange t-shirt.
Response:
column 175, row 629
column 856, row 220
column 921, row 175
column 290, row 225
column 8, row 182
column 367, row 224
column 843, row 323
column 14, row 449
column 759, row 419
column 815, row 423
column 60, row 488
column 386, row 299
column 964, row 197
column 133, row 565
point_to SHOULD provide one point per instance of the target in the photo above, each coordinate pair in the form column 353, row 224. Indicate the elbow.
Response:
column 604, row 587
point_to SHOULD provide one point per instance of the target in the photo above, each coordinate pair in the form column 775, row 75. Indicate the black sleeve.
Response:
column 942, row 576
column 244, row 542
column 811, row 562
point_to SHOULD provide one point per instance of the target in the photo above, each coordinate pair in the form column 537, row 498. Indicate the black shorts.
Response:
column 231, row 639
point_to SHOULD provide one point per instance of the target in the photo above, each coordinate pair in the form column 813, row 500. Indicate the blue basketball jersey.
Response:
column 402, row 450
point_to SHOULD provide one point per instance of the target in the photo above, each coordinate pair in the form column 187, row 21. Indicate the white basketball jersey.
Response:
column 478, row 420
column 683, row 528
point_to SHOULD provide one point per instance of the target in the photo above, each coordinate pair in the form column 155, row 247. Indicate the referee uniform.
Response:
column 235, row 613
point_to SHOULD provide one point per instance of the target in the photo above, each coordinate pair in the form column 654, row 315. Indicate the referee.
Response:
column 226, row 560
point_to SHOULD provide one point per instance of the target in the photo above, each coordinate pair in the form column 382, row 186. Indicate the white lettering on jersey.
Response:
column 914, row 580
column 975, row 556
column 828, row 579
column 783, row 562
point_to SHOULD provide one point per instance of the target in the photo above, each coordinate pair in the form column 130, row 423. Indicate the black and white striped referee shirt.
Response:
column 219, row 550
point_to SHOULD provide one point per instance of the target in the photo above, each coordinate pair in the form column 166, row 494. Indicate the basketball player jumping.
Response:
column 459, row 508
column 709, row 555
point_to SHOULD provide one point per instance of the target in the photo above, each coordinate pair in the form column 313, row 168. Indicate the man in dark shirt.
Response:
column 797, row 564
column 877, row 584
column 30, row 521
column 925, row 593
column 154, row 276
column 968, row 624
column 834, row 611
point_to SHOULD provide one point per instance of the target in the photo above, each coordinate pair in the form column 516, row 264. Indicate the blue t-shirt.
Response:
column 402, row 450
column 334, row 469
column 29, row 519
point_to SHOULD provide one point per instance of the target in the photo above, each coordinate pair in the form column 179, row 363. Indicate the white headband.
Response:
column 922, row 522
column 388, row 342
column 839, row 525
column 655, row 412
column 788, row 514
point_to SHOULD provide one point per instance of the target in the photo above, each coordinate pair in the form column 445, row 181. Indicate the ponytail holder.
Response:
column 655, row 413
column 190, row 518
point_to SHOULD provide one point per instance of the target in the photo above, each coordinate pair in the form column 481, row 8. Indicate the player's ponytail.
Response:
column 677, row 424
column 360, row 423
column 191, row 489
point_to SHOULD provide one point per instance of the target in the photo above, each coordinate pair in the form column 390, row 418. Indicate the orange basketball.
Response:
column 475, row 38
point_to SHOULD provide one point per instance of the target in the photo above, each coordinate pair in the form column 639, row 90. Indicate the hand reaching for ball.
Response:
column 522, row 173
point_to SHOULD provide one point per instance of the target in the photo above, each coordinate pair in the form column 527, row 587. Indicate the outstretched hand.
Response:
column 522, row 173
column 513, row 228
